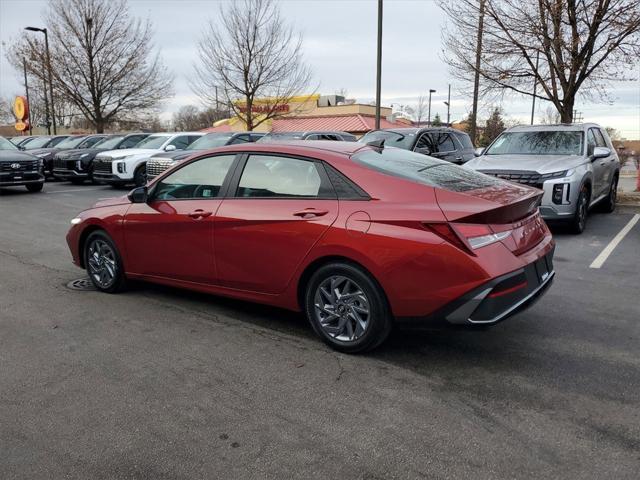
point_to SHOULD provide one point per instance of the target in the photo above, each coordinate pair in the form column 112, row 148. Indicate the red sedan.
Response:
column 358, row 237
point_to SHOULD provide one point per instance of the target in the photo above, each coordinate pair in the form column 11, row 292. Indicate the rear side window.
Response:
column 270, row 176
column 425, row 170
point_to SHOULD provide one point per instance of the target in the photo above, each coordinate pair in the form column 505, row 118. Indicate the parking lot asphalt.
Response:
column 159, row 383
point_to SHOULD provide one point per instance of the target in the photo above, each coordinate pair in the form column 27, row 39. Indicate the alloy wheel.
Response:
column 342, row 308
column 582, row 212
column 102, row 263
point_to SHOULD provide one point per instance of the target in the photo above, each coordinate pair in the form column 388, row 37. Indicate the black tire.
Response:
column 579, row 221
column 117, row 185
column 608, row 205
column 140, row 175
column 96, row 243
column 379, row 320
column 35, row 187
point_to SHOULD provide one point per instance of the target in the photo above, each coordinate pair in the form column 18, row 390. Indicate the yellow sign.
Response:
column 21, row 126
column 21, row 108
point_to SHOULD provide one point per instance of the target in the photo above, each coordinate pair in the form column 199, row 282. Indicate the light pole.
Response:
column 379, row 65
column 448, row 104
column 46, row 43
column 26, row 88
column 429, row 110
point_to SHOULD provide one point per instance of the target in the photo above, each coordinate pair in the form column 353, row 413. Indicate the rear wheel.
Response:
column 347, row 308
column 609, row 203
column 103, row 263
column 35, row 187
column 579, row 221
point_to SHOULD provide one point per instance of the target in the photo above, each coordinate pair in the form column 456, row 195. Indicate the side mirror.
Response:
column 20, row 147
column 601, row 152
column 169, row 148
column 138, row 195
column 479, row 151
column 424, row 150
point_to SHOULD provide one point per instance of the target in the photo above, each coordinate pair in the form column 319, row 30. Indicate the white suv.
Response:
column 119, row 167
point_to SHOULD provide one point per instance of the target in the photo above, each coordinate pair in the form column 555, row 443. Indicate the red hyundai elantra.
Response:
column 358, row 237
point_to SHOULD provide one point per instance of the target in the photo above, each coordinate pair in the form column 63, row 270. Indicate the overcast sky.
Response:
column 339, row 45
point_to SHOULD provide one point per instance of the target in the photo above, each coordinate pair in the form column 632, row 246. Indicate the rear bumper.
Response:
column 497, row 299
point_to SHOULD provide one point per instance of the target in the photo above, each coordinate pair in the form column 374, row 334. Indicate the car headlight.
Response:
column 121, row 167
column 562, row 173
column 122, row 157
column 76, row 221
column 41, row 155
column 84, row 155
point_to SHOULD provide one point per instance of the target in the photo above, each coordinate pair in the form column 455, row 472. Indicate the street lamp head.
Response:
column 432, row 91
column 34, row 29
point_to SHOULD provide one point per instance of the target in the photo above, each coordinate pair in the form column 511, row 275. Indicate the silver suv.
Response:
column 575, row 164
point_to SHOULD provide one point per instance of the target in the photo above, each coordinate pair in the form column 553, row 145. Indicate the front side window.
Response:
column 240, row 139
column 444, row 143
column 400, row 139
column 548, row 142
column 279, row 177
column 211, row 140
column 200, row 179
column 591, row 141
column 132, row 141
column 180, row 142
column 109, row 143
column 55, row 141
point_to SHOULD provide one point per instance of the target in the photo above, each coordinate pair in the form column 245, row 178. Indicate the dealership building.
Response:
column 316, row 112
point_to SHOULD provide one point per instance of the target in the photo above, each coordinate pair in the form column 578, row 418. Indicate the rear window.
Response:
column 425, row 170
column 464, row 140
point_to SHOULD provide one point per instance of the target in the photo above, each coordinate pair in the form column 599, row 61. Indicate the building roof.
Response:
column 225, row 127
column 344, row 123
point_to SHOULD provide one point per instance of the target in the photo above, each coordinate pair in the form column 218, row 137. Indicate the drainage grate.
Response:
column 82, row 284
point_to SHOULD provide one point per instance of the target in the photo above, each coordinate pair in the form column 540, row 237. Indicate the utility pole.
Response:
column 476, row 79
column 379, row 65
column 26, row 87
column 448, row 104
column 535, row 86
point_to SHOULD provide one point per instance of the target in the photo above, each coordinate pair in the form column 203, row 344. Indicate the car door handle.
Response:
column 199, row 214
column 310, row 212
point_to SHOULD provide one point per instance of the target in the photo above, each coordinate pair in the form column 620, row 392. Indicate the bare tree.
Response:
column 191, row 118
column 253, row 59
column 6, row 111
column 571, row 48
column 101, row 59
column 550, row 116
column 420, row 109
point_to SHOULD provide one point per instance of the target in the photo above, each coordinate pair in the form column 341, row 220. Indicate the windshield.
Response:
column 425, row 170
column 210, row 140
column 109, row 143
column 6, row 144
column 71, row 142
column 270, row 137
column 38, row 142
column 152, row 142
column 559, row 142
column 391, row 138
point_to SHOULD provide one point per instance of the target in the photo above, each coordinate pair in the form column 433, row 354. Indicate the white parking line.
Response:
column 600, row 259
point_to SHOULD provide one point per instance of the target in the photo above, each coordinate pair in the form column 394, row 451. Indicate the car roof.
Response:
column 299, row 147
column 552, row 127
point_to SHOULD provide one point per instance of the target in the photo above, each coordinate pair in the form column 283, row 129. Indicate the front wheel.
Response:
column 140, row 176
column 579, row 221
column 35, row 187
column 347, row 308
column 103, row 263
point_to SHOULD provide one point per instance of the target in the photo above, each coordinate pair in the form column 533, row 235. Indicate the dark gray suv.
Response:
column 440, row 142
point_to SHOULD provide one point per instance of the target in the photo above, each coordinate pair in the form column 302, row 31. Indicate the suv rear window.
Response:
column 425, row 170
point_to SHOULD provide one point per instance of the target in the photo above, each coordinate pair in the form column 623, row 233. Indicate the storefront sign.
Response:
column 265, row 108
column 21, row 111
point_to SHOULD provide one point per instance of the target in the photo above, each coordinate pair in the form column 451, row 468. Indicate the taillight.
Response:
column 468, row 236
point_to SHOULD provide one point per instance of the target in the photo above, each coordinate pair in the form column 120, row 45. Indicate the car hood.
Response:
column 110, row 202
column 76, row 152
column 535, row 163
column 130, row 151
column 177, row 155
column 15, row 155
column 37, row 151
